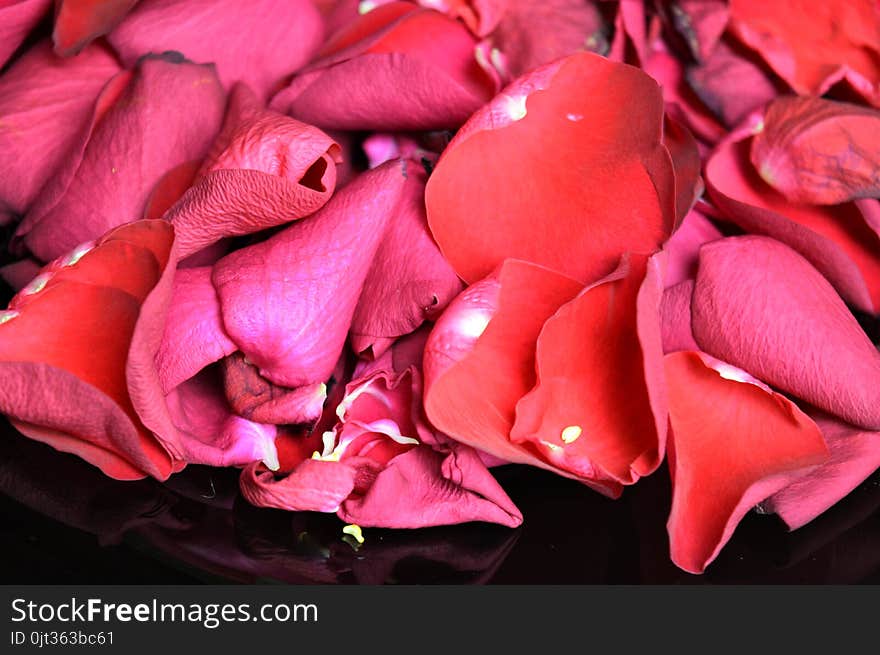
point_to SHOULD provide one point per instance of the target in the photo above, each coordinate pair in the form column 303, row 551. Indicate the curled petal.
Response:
column 312, row 486
column 17, row 19
column 836, row 239
column 760, row 306
column 549, row 153
column 733, row 443
column 599, row 364
column 818, row 151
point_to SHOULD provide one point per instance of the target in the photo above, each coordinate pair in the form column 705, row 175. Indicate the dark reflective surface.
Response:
column 64, row 522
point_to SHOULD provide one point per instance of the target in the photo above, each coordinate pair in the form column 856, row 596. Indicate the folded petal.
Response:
column 686, row 163
column 194, row 336
column 167, row 114
column 762, row 307
column 17, row 19
column 675, row 318
column 409, row 281
column 288, row 302
column 854, row 455
column 64, row 346
column 253, row 41
column 480, row 358
column 818, row 151
column 397, row 67
column 45, row 102
column 423, row 487
column 732, row 444
column 598, row 363
column 550, row 172
column 835, row 239
column 263, row 170
column 78, row 22
column 812, row 46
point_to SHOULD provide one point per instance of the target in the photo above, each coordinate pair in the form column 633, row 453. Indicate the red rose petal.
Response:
column 732, row 445
column 565, row 155
column 17, row 19
column 78, row 22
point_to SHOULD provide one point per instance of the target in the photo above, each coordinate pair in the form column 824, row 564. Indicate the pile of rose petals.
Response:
column 366, row 251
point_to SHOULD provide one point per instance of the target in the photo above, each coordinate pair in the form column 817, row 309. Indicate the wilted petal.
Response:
column 410, row 281
column 553, row 173
column 423, row 487
column 836, row 240
column 855, row 455
column 732, row 444
column 760, row 306
column 45, row 103
column 312, row 486
column 397, row 67
column 78, row 22
column 252, row 41
column 288, row 302
column 700, row 24
column 814, row 45
column 166, row 115
column 263, row 170
column 818, row 151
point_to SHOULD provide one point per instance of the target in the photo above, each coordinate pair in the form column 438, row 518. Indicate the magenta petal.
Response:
column 17, row 19
column 194, row 335
column 45, row 102
column 209, row 433
column 165, row 116
column 313, row 485
column 254, row 41
column 683, row 247
column 18, row 274
column 422, row 488
column 675, row 318
column 855, row 454
column 762, row 307
column 700, row 24
column 288, row 302
column 410, row 280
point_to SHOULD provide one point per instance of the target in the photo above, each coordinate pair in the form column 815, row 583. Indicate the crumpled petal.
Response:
column 819, row 151
column 78, row 22
column 45, row 102
column 599, row 364
column 263, row 170
column 814, row 45
column 397, row 67
column 409, row 281
column 288, row 302
column 17, row 19
column 64, row 345
column 762, row 307
column 854, row 455
column 194, row 336
column 312, row 486
column 253, row 41
column 733, row 443
column 699, row 23
column 532, row 34
column 836, row 239
column 423, row 487
column 167, row 114
column 255, row 398
column 553, row 173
